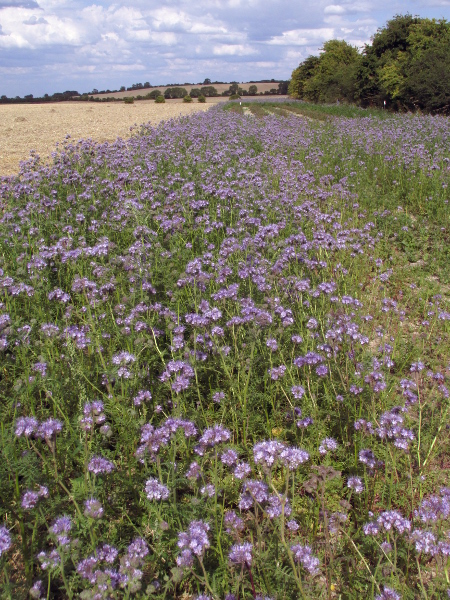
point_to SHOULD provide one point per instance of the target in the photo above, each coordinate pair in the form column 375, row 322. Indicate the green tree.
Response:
column 252, row 90
column 301, row 75
column 334, row 75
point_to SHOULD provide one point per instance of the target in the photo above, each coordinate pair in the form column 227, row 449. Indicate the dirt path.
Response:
column 25, row 127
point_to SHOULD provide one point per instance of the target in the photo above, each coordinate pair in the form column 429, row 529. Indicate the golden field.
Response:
column 39, row 127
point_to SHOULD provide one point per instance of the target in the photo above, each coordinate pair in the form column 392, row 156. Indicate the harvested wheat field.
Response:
column 25, row 127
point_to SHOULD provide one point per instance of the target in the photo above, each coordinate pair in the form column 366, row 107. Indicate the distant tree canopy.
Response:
column 175, row 92
column 406, row 66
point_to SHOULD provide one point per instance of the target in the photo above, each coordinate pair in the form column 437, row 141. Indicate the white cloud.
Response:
column 302, row 37
column 233, row 50
column 335, row 9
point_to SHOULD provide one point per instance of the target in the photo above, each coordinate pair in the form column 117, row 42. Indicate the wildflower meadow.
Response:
column 225, row 361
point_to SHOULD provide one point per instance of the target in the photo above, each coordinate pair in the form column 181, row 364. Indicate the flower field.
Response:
column 225, row 361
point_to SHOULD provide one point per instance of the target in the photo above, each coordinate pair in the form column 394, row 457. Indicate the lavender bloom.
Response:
column 424, row 541
column 257, row 489
column 434, row 507
column 233, row 522
column 26, row 426
column 388, row 594
column 208, row 490
column 37, row 590
column 367, row 457
column 141, row 396
column 92, row 415
column 275, row 504
column 242, row 470
column 297, row 391
column 229, row 458
column 5, row 540
column 322, row 370
column 194, row 471
column 214, row 435
column 99, row 465
column 303, row 555
column 328, row 444
column 277, row 372
column 292, row 525
column 241, row 554
column 49, row 560
column 387, row 520
column 156, row 490
column 137, row 551
column 194, row 540
column 218, row 396
column 272, row 344
column 48, row 429
column 293, row 457
column 30, row 498
column 123, row 358
column 93, row 508
column 355, row 484
column 304, row 423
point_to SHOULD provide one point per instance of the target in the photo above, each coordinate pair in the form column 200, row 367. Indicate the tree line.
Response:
column 405, row 67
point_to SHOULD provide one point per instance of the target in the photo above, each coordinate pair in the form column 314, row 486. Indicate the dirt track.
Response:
column 25, row 127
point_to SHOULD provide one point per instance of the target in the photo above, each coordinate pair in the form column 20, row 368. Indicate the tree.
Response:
column 175, row 92
column 207, row 81
column 333, row 76
column 209, row 91
column 252, row 90
column 283, row 87
column 301, row 75
column 122, row 88
column 195, row 93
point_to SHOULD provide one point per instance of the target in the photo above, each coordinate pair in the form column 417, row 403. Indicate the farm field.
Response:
column 40, row 126
column 220, row 87
column 225, row 346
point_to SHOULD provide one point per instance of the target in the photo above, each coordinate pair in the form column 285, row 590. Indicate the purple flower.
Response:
column 241, row 554
column 229, row 458
column 367, row 457
column 156, row 490
column 297, row 391
column 218, row 396
column 141, row 396
column 93, row 508
column 208, row 490
column 37, row 590
column 328, row 444
column 47, row 429
column 26, row 426
column 277, row 372
column 194, row 540
column 214, row 435
column 355, row 484
column 242, row 470
column 49, row 560
column 99, row 465
column 30, row 498
column 233, row 522
column 5, row 540
column 292, row 525
column 388, row 594
column 194, row 471
column 303, row 555
column 137, row 551
column 272, row 344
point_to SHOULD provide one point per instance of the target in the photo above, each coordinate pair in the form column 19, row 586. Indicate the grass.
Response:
column 225, row 361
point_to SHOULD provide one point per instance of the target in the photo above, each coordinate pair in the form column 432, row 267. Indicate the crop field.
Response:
column 39, row 127
column 225, row 360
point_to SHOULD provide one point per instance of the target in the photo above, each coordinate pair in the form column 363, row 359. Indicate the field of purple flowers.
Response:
column 225, row 358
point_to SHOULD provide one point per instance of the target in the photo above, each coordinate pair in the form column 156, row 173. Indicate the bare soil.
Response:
column 39, row 127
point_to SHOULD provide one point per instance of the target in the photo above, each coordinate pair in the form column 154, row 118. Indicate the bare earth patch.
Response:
column 25, row 127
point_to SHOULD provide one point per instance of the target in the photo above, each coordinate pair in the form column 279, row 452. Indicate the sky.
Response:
column 49, row 46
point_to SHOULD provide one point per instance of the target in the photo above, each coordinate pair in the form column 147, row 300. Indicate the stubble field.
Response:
column 40, row 126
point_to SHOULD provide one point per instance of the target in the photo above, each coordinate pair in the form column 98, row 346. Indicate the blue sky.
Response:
column 55, row 45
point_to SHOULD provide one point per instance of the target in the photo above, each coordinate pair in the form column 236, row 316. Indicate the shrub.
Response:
column 160, row 99
column 201, row 98
column 234, row 97
column 187, row 99
column 129, row 100
column 154, row 94
column 195, row 93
